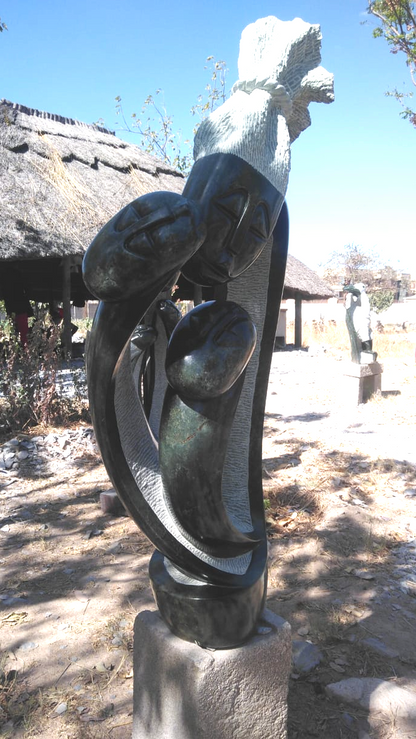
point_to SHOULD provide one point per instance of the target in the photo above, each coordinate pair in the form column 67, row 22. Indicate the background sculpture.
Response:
column 358, row 319
column 180, row 426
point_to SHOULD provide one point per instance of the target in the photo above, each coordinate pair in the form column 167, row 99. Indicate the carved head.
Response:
column 240, row 208
column 147, row 239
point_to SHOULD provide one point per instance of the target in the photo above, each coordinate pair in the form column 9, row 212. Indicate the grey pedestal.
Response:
column 182, row 691
column 361, row 381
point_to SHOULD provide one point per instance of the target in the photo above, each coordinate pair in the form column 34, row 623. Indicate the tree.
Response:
column 157, row 133
column 353, row 264
column 350, row 265
column 381, row 300
column 398, row 27
column 3, row 26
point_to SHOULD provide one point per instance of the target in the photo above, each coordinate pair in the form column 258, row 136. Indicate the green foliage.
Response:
column 3, row 26
column 398, row 28
column 381, row 300
column 30, row 392
column 84, row 325
column 155, row 126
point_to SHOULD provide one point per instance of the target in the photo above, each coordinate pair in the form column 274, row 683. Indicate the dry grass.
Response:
column 389, row 344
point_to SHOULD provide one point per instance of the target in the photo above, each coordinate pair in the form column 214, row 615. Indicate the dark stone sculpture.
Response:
column 358, row 320
column 179, row 425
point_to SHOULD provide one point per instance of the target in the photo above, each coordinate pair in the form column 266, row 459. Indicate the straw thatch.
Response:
column 62, row 180
column 302, row 282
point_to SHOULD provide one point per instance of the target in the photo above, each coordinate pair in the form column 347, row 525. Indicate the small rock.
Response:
column 409, row 587
column 378, row 695
column 410, row 492
column 303, row 630
column 114, row 548
column 348, row 720
column 363, row 574
column 262, row 630
column 378, row 646
column 336, row 667
column 305, row 656
column 100, row 667
column 23, row 454
column 61, row 708
column 27, row 646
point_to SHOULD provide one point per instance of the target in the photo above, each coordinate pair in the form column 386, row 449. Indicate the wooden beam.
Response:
column 298, row 321
column 66, row 299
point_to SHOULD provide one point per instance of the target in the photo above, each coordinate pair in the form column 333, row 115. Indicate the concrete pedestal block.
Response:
column 361, row 381
column 182, row 691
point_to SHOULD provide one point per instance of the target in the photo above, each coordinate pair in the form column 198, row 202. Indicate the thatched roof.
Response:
column 61, row 180
column 303, row 282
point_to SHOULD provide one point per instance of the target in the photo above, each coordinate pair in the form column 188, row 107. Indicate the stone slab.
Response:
column 352, row 369
column 182, row 691
column 361, row 381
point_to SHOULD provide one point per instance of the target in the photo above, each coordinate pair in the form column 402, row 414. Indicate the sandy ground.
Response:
column 339, row 485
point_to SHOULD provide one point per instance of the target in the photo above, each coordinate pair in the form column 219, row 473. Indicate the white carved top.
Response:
column 279, row 75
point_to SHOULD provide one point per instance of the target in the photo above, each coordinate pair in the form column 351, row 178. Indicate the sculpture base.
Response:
column 213, row 616
column 361, row 381
column 181, row 690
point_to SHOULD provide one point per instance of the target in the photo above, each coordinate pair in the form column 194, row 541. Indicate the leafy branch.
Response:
column 398, row 28
column 156, row 127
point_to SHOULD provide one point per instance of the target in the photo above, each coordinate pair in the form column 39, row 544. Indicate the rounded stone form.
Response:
column 212, row 616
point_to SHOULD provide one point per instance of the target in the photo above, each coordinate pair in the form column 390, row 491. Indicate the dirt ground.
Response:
column 340, row 498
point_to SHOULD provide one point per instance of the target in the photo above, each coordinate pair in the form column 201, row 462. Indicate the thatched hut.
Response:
column 301, row 283
column 61, row 180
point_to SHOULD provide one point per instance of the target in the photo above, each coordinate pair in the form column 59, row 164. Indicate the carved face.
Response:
column 240, row 209
column 151, row 237
column 209, row 349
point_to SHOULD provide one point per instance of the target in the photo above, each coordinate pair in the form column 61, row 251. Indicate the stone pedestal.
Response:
column 361, row 381
column 182, row 691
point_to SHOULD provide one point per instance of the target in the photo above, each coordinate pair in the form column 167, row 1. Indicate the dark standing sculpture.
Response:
column 178, row 406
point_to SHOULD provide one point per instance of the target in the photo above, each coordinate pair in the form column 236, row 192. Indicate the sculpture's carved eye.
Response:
column 233, row 205
column 141, row 245
column 260, row 224
column 128, row 216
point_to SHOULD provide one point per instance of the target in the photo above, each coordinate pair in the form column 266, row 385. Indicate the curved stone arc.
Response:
column 110, row 335
column 224, row 617
column 108, row 350
column 206, row 359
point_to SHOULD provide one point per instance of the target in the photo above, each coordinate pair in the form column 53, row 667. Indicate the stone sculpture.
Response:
column 358, row 319
column 179, row 424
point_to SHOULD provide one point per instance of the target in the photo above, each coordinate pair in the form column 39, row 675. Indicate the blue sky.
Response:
column 353, row 171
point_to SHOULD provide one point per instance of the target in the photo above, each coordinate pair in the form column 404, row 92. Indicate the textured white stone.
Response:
column 279, row 75
column 182, row 691
column 376, row 695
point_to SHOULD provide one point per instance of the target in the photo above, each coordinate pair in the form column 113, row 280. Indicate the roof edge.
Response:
column 53, row 117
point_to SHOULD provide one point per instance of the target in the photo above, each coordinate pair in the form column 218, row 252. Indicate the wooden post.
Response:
column 66, row 299
column 298, row 321
column 197, row 294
